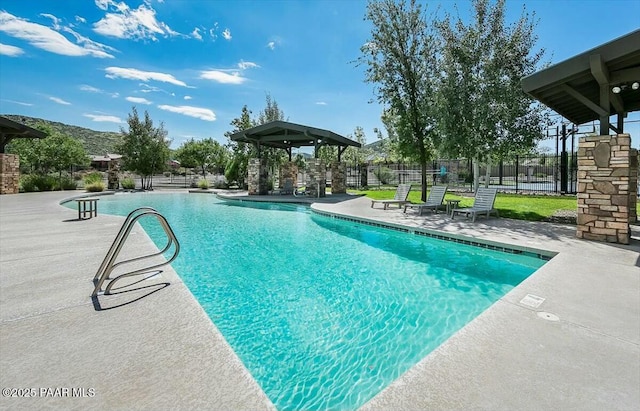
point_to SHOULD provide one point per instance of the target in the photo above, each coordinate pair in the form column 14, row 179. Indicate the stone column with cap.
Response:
column 604, row 188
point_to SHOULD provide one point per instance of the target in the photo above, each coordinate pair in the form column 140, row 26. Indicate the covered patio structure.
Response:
column 593, row 86
column 10, row 163
column 286, row 136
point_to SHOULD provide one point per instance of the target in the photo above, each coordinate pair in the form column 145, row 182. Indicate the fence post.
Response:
column 517, row 171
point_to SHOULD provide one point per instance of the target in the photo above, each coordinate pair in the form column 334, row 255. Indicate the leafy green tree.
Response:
column 236, row 169
column 57, row 152
column 485, row 114
column 204, row 154
column 354, row 155
column 271, row 112
column 401, row 60
column 241, row 152
column 144, row 148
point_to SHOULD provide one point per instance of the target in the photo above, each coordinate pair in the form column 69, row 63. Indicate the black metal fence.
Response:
column 542, row 173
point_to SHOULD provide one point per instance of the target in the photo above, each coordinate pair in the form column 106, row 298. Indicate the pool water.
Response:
column 323, row 312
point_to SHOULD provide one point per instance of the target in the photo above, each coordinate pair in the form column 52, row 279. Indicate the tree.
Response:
column 354, row 155
column 57, row 152
column 241, row 152
column 271, row 112
column 144, row 148
column 401, row 60
column 236, row 169
column 204, row 154
column 485, row 114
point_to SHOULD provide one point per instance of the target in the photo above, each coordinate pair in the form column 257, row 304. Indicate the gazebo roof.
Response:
column 282, row 134
column 581, row 88
column 10, row 129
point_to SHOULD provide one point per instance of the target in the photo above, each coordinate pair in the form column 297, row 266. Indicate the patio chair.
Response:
column 434, row 201
column 400, row 198
column 482, row 204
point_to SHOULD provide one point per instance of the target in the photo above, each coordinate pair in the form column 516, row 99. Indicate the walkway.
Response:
column 158, row 350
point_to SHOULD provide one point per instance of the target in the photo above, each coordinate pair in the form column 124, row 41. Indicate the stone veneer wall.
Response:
column 9, row 174
column 338, row 177
column 633, row 185
column 289, row 169
column 316, row 177
column 258, row 176
column 604, row 194
column 113, row 179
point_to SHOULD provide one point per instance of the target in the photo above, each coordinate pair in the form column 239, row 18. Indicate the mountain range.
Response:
column 94, row 142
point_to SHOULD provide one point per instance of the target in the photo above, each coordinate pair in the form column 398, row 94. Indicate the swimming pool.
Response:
column 324, row 313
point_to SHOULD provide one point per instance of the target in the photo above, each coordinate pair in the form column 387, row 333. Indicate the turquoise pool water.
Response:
column 323, row 312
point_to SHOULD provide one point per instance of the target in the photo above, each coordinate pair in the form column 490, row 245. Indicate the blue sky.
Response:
column 193, row 64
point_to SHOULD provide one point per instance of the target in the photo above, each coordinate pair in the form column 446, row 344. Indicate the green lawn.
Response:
column 516, row 206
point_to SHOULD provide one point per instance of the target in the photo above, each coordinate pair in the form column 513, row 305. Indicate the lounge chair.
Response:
column 482, row 204
column 400, row 198
column 434, row 201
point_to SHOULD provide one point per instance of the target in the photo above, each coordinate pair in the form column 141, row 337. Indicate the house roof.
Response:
column 282, row 134
column 10, row 129
column 581, row 88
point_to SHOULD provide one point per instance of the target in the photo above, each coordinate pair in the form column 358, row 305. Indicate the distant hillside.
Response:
column 94, row 142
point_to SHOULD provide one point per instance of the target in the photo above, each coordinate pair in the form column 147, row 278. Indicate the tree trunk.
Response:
column 487, row 174
column 476, row 174
column 423, row 196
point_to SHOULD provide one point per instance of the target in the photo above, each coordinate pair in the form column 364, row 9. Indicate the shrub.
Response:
column 94, row 177
column 95, row 187
column 203, row 184
column 66, row 183
column 220, row 184
column 384, row 175
column 37, row 182
column 27, row 184
column 128, row 184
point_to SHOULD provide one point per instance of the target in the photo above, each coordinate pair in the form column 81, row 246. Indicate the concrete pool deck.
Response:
column 155, row 348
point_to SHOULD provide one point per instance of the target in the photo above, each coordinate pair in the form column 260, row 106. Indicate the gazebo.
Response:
column 285, row 135
column 10, row 163
column 592, row 86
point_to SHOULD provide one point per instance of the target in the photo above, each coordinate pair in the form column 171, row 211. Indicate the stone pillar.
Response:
column 316, row 178
column 9, row 173
column 604, row 169
column 289, row 170
column 338, row 177
column 633, row 185
column 258, row 175
column 113, row 180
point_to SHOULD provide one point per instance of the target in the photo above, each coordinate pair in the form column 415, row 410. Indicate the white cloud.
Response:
column 11, row 51
column 104, row 118
column 126, row 23
column 221, row 77
column 135, row 74
column 197, row 112
column 138, row 100
column 226, row 34
column 80, row 19
column 90, row 89
column 247, row 64
column 103, row 4
column 196, row 34
column 271, row 45
column 48, row 39
column 59, row 101
column 188, row 97
column 321, row 103
column 18, row 102
column 54, row 20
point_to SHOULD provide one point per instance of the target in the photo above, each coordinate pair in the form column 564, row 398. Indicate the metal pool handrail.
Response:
column 108, row 264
